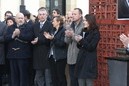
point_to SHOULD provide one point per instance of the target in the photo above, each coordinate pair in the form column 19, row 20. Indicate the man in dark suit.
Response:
column 27, row 16
column 3, row 28
column 41, row 49
column 18, row 39
column 30, row 24
column 123, row 9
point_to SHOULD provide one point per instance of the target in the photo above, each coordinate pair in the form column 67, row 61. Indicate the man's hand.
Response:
column 124, row 39
column 69, row 33
column 34, row 41
column 16, row 32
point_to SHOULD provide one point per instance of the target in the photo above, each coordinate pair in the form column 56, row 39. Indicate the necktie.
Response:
column 41, row 25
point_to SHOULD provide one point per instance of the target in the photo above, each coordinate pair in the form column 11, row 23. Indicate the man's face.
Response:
column 42, row 15
column 8, row 15
column 54, row 13
column 76, row 15
column 20, row 19
column 10, row 22
column 69, row 17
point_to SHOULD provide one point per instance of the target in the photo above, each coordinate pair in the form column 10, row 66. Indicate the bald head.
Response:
column 69, row 13
column 69, row 17
column 19, row 19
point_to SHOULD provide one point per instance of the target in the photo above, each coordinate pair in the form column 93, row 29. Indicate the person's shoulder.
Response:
column 48, row 21
column 2, row 24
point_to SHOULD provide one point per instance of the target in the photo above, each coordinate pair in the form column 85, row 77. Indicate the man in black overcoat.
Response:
column 41, row 49
column 18, row 38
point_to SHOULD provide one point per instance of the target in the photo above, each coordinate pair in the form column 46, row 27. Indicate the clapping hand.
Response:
column 69, row 33
column 35, row 40
column 48, row 36
column 78, row 38
column 16, row 32
column 124, row 39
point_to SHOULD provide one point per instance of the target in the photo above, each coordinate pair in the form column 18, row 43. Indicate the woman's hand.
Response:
column 48, row 36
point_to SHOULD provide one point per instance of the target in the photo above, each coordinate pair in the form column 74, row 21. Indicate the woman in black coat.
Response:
column 58, row 52
column 86, row 67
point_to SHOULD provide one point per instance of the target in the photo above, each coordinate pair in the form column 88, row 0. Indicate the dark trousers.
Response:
column 19, row 69
column 0, row 79
column 3, row 74
column 31, row 73
column 73, row 79
column 43, row 78
column 58, row 72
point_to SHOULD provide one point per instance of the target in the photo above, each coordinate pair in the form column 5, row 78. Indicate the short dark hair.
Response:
column 57, row 10
column 80, row 11
column 8, row 12
column 26, row 13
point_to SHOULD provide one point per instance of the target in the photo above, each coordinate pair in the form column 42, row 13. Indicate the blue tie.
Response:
column 41, row 25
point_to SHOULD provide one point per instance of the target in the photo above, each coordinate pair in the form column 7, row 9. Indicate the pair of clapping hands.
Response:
column 16, row 33
column 70, row 33
column 125, row 40
column 46, row 34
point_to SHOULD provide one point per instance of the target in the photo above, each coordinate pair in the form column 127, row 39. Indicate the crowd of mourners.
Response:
column 34, row 50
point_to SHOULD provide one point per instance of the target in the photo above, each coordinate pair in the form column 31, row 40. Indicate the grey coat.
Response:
column 72, row 44
column 3, row 28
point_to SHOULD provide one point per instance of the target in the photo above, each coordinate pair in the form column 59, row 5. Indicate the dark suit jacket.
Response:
column 3, row 28
column 20, row 47
column 41, row 49
column 30, row 23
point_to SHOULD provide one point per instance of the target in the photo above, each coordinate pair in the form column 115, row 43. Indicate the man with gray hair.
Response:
column 41, row 49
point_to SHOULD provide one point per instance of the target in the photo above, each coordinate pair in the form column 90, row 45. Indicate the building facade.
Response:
column 33, row 5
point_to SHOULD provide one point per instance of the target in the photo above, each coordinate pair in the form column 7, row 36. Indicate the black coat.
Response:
column 41, row 49
column 3, row 28
column 86, row 66
column 22, row 44
column 59, row 45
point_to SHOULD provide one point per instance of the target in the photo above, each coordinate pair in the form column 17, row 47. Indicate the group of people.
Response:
column 37, row 51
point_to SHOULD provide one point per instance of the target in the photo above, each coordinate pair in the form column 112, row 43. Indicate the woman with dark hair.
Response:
column 58, row 52
column 56, row 12
column 86, row 67
column 10, row 21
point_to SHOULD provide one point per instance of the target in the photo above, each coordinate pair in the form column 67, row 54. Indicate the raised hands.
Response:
column 78, row 38
column 16, row 32
column 69, row 33
column 48, row 35
column 124, row 39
